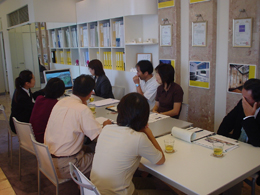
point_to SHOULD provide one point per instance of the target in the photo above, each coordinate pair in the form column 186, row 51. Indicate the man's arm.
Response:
column 229, row 120
column 138, row 88
column 251, row 124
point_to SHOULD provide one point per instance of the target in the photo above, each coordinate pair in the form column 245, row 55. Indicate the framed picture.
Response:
column 199, row 34
column 143, row 56
column 199, row 74
column 197, row 1
column 165, row 3
column 238, row 74
column 242, row 32
column 166, row 35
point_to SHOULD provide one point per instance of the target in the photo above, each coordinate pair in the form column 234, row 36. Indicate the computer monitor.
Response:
column 63, row 74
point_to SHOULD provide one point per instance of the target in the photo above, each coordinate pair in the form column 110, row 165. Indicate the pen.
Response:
column 198, row 131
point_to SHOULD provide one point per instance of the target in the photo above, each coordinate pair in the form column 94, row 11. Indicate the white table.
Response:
column 193, row 170
column 158, row 128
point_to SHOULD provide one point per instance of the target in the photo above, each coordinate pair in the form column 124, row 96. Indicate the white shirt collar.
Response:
column 27, row 91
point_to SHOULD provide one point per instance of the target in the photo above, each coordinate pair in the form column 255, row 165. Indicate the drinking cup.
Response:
column 169, row 145
column 218, row 149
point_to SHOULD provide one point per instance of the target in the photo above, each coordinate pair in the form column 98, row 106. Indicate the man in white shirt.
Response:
column 69, row 122
column 145, row 81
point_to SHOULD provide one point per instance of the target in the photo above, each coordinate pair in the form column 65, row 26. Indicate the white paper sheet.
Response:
column 104, row 102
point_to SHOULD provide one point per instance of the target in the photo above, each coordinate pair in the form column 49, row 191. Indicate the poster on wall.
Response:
column 165, row 3
column 171, row 62
column 199, row 74
column 197, row 1
column 238, row 74
column 242, row 32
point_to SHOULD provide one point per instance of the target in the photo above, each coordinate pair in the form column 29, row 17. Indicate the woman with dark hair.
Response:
column 169, row 95
column 103, row 86
column 120, row 147
column 23, row 98
column 43, row 106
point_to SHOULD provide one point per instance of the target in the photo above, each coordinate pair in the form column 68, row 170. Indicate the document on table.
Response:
column 156, row 117
column 101, row 119
column 229, row 144
column 104, row 102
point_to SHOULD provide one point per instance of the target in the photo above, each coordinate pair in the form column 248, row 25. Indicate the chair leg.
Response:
column 57, row 189
column 11, row 148
column 8, row 143
column 253, row 186
column 39, row 181
column 19, row 163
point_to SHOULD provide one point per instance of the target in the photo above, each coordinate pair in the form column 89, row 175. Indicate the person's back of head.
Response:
column 145, row 66
column 133, row 111
column 54, row 89
column 83, row 85
column 97, row 66
column 254, row 86
column 166, row 72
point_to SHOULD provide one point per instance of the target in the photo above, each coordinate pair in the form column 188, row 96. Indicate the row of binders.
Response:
column 64, row 39
column 105, row 34
column 107, row 60
column 120, row 61
column 62, row 58
column 118, row 34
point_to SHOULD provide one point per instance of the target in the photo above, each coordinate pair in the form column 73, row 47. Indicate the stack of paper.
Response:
column 104, row 102
column 156, row 117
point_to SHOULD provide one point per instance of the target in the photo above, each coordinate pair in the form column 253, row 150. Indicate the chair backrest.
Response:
column 23, row 131
column 86, row 186
column 45, row 161
column 184, row 112
column 2, row 109
column 118, row 92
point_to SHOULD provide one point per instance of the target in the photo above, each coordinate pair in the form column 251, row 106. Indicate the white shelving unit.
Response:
column 108, row 34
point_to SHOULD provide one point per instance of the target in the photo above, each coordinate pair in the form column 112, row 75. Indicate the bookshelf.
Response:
column 111, row 32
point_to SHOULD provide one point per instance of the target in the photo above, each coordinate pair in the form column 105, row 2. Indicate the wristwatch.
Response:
column 137, row 85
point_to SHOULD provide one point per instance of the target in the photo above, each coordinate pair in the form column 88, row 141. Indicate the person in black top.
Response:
column 23, row 98
column 103, row 86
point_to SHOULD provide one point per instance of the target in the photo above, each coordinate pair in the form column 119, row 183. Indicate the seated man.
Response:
column 69, row 122
column 148, row 85
column 244, row 119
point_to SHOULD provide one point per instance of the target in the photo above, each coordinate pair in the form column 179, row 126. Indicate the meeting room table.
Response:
column 194, row 170
column 158, row 128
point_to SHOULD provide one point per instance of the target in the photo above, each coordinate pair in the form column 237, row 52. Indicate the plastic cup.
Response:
column 169, row 145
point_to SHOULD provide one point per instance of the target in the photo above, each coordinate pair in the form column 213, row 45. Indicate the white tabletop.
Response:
column 193, row 170
column 158, row 128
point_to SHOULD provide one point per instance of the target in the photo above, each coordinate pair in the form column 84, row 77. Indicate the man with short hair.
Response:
column 70, row 121
column 145, row 81
column 244, row 119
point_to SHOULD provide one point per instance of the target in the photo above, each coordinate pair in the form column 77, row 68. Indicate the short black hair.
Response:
column 145, row 66
column 133, row 111
column 254, row 86
column 97, row 66
column 83, row 85
column 166, row 72
column 54, row 88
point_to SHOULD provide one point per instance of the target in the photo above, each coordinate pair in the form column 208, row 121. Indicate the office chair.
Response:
column 86, row 186
column 184, row 112
column 23, row 131
column 10, row 134
column 45, row 165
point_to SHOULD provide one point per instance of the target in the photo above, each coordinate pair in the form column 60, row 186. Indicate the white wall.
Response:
column 39, row 11
column 221, row 62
